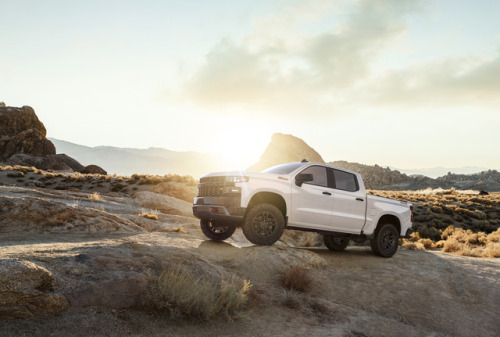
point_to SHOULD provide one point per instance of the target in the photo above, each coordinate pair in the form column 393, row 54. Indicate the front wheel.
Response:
column 264, row 224
column 335, row 243
column 386, row 240
column 216, row 232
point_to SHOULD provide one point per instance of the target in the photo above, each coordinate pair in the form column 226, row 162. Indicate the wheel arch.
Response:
column 269, row 198
column 389, row 218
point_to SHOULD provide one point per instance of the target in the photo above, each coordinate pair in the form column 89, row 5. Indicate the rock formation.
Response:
column 23, row 142
column 285, row 149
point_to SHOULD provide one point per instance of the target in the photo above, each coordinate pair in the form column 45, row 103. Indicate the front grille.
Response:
column 213, row 186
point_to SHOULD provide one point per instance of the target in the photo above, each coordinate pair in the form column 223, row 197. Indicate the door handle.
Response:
column 327, row 193
column 360, row 199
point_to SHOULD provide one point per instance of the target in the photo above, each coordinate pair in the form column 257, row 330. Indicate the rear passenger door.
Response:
column 349, row 203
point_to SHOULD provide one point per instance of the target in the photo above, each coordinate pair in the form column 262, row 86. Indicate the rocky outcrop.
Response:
column 22, row 132
column 285, row 149
column 27, row 290
column 176, row 190
column 24, row 214
column 163, row 203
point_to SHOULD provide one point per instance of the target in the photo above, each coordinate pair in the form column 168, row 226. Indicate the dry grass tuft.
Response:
column 179, row 291
column 152, row 216
column 95, row 196
column 466, row 243
column 296, row 278
column 178, row 230
column 413, row 245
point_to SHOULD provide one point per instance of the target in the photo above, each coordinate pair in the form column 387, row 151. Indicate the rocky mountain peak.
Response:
column 285, row 148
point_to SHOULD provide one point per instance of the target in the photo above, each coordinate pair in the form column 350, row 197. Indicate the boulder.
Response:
column 27, row 290
column 2, row 105
column 93, row 169
column 62, row 160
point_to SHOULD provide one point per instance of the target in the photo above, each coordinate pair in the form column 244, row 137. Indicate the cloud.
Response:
column 287, row 65
column 447, row 82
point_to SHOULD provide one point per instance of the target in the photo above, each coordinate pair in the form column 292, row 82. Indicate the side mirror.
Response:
column 303, row 178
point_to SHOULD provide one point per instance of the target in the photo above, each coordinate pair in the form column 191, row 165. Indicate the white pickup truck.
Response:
column 301, row 196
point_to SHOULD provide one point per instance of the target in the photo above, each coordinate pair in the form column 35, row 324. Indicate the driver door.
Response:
column 312, row 203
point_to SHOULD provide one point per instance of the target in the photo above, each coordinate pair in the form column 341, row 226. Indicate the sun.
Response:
column 241, row 145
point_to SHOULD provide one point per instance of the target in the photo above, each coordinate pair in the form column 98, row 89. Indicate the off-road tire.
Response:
column 336, row 243
column 386, row 240
column 264, row 224
column 216, row 232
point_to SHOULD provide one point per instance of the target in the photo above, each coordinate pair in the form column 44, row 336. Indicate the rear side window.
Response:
column 345, row 181
column 320, row 177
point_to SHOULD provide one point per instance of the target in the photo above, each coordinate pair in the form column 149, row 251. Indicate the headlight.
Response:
column 237, row 179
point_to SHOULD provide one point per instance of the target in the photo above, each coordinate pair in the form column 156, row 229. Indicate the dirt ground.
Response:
column 352, row 294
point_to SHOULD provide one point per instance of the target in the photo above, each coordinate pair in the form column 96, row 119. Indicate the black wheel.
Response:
column 336, row 243
column 386, row 240
column 264, row 224
column 217, row 232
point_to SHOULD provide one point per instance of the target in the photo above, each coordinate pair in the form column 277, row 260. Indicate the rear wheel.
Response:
column 386, row 240
column 264, row 224
column 215, row 231
column 336, row 243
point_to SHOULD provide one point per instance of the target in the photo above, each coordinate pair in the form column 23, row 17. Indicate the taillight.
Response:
column 411, row 210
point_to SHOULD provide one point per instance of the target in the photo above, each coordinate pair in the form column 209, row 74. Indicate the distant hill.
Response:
column 284, row 149
column 127, row 161
column 434, row 172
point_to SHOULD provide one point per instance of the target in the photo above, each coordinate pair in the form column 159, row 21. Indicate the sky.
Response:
column 400, row 83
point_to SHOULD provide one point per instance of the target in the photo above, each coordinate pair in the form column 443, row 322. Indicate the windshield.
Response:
column 284, row 168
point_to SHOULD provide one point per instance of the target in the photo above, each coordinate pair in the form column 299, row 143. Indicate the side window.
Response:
column 345, row 181
column 319, row 175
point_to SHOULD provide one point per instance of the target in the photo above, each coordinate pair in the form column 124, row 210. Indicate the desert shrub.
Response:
column 179, row 291
column 118, row 187
column 295, row 278
column 476, row 214
column 467, row 243
column 429, row 233
column 146, row 179
column 427, row 243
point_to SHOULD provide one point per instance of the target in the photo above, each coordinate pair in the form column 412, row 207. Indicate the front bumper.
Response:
column 224, row 209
